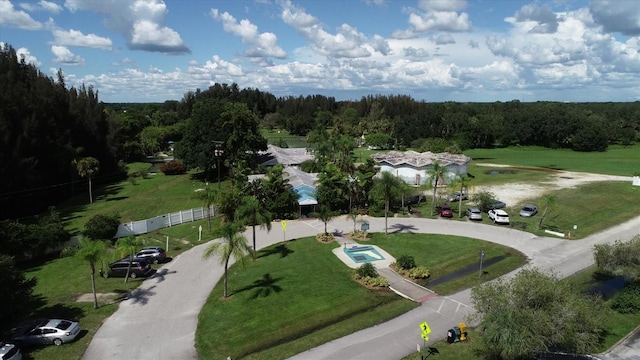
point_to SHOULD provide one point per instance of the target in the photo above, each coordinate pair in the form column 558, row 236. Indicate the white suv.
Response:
column 499, row 216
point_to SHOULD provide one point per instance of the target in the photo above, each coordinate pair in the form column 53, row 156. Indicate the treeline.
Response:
column 47, row 127
column 44, row 128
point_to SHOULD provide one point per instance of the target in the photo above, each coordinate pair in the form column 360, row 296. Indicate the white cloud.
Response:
column 76, row 38
column 141, row 22
column 43, row 5
column 10, row 17
column 65, row 56
column 433, row 16
column 24, row 53
column 348, row 42
column 260, row 44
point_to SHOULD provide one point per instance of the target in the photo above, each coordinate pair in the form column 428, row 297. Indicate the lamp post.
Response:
column 218, row 153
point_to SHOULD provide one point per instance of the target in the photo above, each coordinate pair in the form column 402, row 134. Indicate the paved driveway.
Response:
column 159, row 320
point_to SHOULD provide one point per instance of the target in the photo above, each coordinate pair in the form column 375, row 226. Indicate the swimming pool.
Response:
column 362, row 254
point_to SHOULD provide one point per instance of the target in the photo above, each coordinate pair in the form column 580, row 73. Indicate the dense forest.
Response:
column 47, row 127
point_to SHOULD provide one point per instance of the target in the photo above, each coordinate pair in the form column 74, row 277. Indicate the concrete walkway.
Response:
column 159, row 319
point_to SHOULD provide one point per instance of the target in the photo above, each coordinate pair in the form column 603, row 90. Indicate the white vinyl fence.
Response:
column 144, row 226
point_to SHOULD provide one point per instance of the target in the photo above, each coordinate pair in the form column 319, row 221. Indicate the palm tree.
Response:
column 127, row 246
column 254, row 214
column 233, row 244
column 325, row 214
column 91, row 252
column 461, row 182
column 549, row 202
column 436, row 172
column 388, row 187
column 208, row 196
column 228, row 201
column 87, row 167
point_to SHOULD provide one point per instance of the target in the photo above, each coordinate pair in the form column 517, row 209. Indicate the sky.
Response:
column 431, row 50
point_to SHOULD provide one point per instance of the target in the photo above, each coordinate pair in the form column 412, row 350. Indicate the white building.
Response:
column 413, row 167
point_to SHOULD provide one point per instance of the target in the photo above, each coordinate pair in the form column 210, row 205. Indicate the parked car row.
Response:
column 139, row 266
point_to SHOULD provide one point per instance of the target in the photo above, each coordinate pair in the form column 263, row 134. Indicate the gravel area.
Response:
column 517, row 193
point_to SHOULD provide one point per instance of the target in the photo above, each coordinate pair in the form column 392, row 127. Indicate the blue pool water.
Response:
column 362, row 254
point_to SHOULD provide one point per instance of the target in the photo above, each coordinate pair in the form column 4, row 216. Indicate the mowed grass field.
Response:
column 158, row 194
column 298, row 294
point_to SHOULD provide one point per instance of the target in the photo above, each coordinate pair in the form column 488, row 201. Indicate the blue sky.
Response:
column 432, row 50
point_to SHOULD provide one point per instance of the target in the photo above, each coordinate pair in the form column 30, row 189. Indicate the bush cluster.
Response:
column 378, row 281
column 627, row 301
column 405, row 265
column 418, row 272
column 359, row 234
column 366, row 270
column 325, row 238
column 173, row 167
column 406, row 262
column 368, row 275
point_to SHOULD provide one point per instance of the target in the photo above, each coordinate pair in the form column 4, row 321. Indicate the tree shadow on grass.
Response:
column 262, row 287
column 59, row 311
column 398, row 228
column 281, row 249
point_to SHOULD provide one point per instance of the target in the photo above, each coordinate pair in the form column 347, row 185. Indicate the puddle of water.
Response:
column 608, row 288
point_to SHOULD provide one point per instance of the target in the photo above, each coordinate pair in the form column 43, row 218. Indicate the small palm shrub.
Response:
column 367, row 269
column 406, row 262
column 368, row 275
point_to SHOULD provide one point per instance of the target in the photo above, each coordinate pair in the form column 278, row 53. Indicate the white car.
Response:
column 499, row 216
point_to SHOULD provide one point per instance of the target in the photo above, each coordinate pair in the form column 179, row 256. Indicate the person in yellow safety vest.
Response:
column 463, row 331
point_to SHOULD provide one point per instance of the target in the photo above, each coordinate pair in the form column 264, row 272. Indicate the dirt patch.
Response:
column 517, row 193
column 107, row 298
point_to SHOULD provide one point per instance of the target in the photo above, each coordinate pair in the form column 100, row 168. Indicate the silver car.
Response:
column 46, row 332
column 529, row 210
column 9, row 352
column 474, row 214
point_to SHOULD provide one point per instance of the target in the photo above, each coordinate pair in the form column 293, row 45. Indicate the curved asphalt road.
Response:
column 159, row 319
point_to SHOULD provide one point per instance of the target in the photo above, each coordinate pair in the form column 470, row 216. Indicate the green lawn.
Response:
column 617, row 160
column 446, row 254
column 158, row 194
column 298, row 294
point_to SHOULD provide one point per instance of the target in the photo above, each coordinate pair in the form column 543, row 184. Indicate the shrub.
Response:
column 173, row 167
column 359, row 234
column 366, row 270
column 420, row 272
column 325, row 238
column 378, row 281
column 627, row 301
column 406, row 262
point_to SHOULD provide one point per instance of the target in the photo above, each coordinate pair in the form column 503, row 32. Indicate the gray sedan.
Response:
column 46, row 332
column 528, row 210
